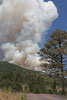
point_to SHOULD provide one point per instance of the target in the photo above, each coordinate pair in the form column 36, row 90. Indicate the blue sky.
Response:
column 61, row 21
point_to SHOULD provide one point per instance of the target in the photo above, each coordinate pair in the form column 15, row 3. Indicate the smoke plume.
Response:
column 22, row 24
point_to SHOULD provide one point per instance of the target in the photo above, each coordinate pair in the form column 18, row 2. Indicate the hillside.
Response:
column 16, row 78
column 8, row 67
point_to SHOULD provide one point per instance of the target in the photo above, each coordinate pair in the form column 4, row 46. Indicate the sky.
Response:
column 61, row 21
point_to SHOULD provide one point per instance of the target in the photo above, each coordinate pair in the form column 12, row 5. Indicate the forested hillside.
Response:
column 17, row 78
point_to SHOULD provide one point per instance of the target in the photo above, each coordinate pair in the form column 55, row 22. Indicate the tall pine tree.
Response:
column 55, row 52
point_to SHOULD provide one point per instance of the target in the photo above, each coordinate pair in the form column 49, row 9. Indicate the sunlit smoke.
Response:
column 22, row 24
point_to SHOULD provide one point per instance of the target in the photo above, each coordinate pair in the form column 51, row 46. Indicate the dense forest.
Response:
column 15, row 78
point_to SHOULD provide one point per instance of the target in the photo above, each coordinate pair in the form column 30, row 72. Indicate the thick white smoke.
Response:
column 22, row 23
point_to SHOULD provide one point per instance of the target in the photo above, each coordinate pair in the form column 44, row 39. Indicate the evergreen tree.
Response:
column 55, row 52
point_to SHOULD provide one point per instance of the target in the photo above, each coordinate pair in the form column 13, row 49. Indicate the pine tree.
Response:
column 55, row 52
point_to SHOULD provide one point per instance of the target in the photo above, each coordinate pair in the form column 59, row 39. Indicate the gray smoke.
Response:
column 22, row 23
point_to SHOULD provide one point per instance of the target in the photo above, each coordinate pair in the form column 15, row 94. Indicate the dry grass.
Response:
column 5, row 95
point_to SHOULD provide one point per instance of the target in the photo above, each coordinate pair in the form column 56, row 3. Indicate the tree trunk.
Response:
column 54, row 86
column 62, row 70
column 63, row 79
column 63, row 84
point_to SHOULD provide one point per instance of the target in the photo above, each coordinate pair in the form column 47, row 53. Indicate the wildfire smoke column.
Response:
column 22, row 24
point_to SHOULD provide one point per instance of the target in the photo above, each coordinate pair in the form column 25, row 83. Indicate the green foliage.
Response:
column 15, row 78
column 23, row 97
column 55, row 52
